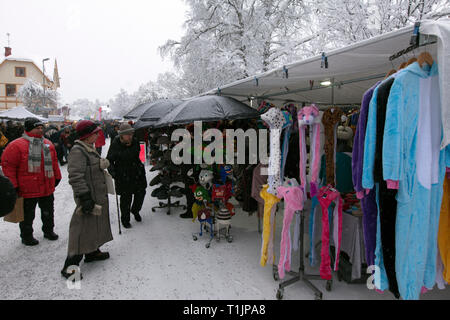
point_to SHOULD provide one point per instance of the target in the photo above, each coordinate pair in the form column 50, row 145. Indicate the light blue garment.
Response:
column 380, row 275
column 368, row 182
column 418, row 205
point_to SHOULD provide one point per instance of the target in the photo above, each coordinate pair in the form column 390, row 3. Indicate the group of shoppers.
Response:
column 31, row 171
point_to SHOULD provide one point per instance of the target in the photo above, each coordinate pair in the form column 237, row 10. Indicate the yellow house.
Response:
column 14, row 72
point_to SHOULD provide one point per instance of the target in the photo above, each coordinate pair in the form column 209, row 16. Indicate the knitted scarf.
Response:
column 35, row 149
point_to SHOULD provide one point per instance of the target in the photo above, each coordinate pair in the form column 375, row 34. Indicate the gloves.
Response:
column 104, row 163
column 57, row 181
column 87, row 204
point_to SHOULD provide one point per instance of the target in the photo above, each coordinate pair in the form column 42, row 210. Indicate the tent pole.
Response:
column 332, row 91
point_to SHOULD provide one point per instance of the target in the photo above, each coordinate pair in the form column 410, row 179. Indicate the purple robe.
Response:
column 368, row 201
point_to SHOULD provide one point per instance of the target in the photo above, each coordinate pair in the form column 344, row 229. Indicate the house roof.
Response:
column 20, row 59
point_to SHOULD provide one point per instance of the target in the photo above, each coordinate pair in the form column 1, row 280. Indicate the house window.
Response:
column 10, row 90
column 20, row 72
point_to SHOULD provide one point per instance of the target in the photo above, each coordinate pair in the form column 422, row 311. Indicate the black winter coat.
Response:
column 125, row 166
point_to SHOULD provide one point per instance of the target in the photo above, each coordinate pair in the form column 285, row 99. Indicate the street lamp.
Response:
column 43, row 71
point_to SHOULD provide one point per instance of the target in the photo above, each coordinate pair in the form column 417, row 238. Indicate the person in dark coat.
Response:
column 8, row 196
column 115, row 132
column 128, row 172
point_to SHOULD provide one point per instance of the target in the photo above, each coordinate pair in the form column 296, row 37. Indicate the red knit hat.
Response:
column 86, row 128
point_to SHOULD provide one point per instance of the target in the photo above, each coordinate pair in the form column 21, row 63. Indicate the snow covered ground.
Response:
column 156, row 259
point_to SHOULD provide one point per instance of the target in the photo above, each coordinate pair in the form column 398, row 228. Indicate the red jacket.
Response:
column 15, row 167
column 100, row 142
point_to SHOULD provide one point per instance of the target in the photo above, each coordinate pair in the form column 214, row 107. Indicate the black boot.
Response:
column 126, row 224
column 51, row 236
column 30, row 241
column 187, row 215
column 137, row 216
column 96, row 256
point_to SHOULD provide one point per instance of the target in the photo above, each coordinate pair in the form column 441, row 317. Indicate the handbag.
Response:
column 109, row 183
column 16, row 215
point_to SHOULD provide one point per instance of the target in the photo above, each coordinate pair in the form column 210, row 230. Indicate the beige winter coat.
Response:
column 88, row 232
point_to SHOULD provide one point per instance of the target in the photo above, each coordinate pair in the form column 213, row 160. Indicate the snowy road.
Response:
column 156, row 259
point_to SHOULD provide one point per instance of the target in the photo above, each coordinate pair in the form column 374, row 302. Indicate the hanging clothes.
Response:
column 444, row 231
column 414, row 164
column 287, row 128
column 368, row 202
column 258, row 181
column 270, row 206
column 293, row 201
column 310, row 116
column 387, row 201
column 276, row 120
column 330, row 119
column 328, row 195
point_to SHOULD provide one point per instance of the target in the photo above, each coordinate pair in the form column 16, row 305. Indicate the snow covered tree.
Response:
column 230, row 40
column 33, row 96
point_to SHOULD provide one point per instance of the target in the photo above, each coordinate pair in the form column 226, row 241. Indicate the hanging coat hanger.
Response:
column 425, row 57
column 391, row 72
column 412, row 60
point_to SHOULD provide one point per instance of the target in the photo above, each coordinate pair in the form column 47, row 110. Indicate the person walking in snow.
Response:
column 128, row 172
column 90, row 227
column 31, row 164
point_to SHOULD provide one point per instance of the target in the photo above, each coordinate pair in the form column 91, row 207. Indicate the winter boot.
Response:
column 30, row 241
column 187, row 215
column 51, row 236
column 96, row 256
column 137, row 216
column 126, row 224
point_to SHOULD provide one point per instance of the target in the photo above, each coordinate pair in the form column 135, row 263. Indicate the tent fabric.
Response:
column 207, row 108
column 20, row 113
column 353, row 69
column 137, row 111
column 158, row 109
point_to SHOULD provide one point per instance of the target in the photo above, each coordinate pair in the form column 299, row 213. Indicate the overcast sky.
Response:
column 100, row 45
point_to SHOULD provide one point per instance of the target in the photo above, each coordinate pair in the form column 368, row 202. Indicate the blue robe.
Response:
column 412, row 159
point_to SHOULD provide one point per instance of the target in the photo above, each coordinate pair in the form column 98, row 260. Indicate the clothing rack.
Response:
column 302, row 275
column 414, row 46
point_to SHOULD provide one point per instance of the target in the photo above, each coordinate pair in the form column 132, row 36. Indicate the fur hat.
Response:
column 86, row 128
column 31, row 123
column 125, row 128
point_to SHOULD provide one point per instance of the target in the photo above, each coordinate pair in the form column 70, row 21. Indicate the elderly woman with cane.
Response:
column 90, row 227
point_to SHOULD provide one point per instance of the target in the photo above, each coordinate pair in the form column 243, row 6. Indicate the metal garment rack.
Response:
column 301, row 275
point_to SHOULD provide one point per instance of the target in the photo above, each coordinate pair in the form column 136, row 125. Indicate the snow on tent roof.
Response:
column 354, row 69
column 19, row 113
column 366, row 61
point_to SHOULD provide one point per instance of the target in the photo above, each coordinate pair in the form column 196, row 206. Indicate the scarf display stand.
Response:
column 301, row 275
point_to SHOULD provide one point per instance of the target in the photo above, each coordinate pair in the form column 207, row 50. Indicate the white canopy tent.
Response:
column 20, row 113
column 352, row 69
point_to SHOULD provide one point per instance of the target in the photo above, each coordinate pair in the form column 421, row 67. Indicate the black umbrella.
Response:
column 207, row 108
column 154, row 111
column 137, row 111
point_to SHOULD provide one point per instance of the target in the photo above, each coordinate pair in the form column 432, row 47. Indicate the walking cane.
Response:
column 118, row 213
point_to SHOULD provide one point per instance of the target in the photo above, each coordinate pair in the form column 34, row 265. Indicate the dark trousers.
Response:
column 189, row 198
column 47, row 215
column 128, row 204
column 388, row 216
